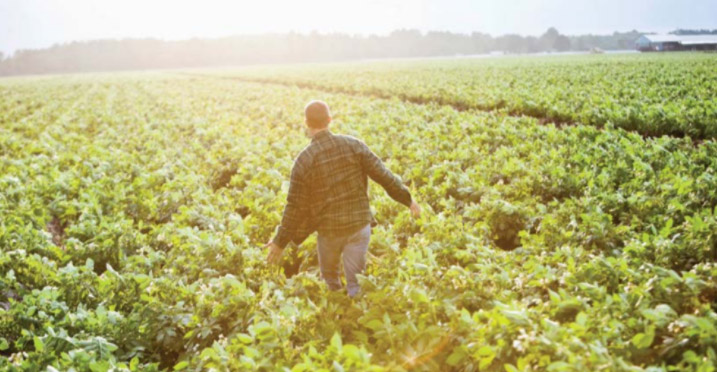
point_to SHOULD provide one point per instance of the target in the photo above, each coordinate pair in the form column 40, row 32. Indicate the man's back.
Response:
column 339, row 199
column 329, row 183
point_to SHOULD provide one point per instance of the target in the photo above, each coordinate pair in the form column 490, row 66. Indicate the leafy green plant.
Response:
column 134, row 207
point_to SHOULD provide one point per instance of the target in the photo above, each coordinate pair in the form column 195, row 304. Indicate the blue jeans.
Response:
column 354, row 248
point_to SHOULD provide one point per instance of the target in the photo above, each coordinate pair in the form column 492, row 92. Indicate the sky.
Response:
column 26, row 24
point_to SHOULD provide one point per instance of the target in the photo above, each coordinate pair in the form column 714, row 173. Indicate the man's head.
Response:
column 317, row 115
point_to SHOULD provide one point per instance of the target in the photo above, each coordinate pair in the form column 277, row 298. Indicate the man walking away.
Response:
column 328, row 193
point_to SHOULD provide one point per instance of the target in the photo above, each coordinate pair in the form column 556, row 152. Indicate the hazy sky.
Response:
column 41, row 23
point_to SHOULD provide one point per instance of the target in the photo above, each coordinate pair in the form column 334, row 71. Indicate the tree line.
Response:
column 135, row 54
column 694, row 32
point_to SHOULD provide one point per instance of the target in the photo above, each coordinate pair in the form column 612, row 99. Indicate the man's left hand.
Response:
column 415, row 210
column 274, row 253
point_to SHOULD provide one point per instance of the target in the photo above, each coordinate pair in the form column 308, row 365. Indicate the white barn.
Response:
column 668, row 42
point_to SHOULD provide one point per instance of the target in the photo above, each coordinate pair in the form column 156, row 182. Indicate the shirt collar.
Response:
column 320, row 135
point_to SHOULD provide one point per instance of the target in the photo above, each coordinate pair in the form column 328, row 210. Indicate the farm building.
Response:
column 663, row 43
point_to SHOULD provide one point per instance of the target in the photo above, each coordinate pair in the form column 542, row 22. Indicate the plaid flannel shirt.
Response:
column 328, row 189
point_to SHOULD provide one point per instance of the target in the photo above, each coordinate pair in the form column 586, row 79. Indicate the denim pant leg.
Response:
column 355, row 257
column 329, row 248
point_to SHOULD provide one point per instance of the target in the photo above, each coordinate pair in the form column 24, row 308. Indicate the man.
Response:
column 328, row 194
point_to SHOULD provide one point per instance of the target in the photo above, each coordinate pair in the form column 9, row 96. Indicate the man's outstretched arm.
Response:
column 295, row 218
column 377, row 171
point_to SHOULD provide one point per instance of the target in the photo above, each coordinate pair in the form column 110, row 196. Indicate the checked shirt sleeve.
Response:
column 295, row 223
column 374, row 168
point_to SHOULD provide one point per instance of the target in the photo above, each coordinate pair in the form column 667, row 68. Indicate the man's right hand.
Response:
column 274, row 253
column 415, row 210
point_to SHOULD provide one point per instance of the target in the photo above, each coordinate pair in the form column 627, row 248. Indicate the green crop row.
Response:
column 134, row 208
column 654, row 95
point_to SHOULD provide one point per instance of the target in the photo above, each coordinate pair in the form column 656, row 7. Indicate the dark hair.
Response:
column 317, row 114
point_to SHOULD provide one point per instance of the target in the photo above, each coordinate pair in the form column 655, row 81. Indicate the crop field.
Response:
column 651, row 94
column 570, row 218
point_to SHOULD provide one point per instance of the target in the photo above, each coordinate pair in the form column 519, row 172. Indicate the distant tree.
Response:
column 403, row 43
column 561, row 43
column 511, row 43
column 531, row 44
column 616, row 41
column 579, row 44
column 445, row 43
column 547, row 40
column 551, row 33
column 482, row 43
